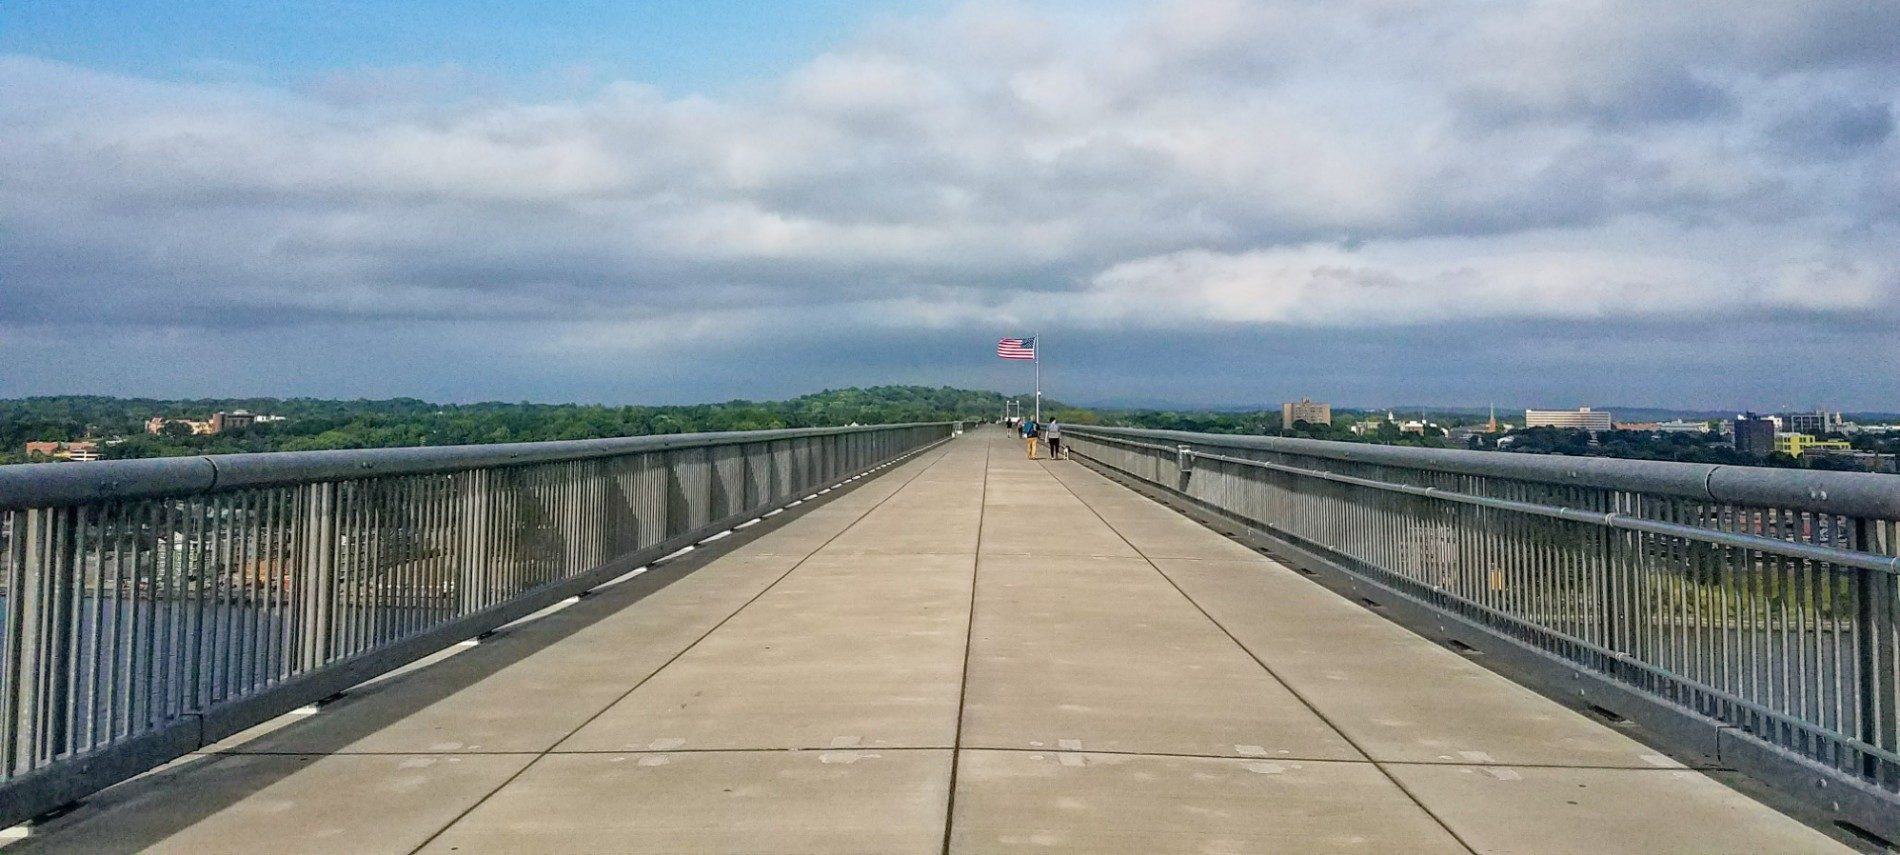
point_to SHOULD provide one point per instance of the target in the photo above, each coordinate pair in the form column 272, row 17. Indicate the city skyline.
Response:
column 1204, row 202
column 182, row 409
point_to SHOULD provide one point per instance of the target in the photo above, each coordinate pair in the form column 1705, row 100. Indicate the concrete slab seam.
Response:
column 969, row 636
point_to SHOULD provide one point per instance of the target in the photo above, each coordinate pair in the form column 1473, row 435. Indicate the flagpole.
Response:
column 1038, row 355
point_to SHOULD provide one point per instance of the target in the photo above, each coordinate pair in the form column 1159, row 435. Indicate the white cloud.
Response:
column 1192, row 161
column 1328, row 286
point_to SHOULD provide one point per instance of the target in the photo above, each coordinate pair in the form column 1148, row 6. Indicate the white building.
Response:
column 1818, row 422
column 1582, row 418
column 1682, row 426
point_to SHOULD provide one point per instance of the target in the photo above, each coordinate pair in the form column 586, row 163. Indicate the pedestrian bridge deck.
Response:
column 971, row 653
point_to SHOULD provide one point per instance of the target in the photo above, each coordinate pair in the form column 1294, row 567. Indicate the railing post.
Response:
column 798, row 452
column 748, row 453
column 674, row 522
column 777, row 460
column 41, row 611
column 573, row 505
column 1611, row 600
column 471, row 582
column 61, row 619
column 1877, row 596
column 14, row 564
column 316, row 579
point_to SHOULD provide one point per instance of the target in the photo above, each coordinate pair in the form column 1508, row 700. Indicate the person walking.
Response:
column 1029, row 433
column 1052, row 432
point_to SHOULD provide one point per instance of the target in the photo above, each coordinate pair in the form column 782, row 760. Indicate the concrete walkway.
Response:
column 972, row 653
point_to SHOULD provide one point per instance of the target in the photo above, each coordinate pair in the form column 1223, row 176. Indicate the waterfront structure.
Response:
column 1682, row 426
column 78, row 451
column 1306, row 410
column 1671, row 426
column 1582, row 418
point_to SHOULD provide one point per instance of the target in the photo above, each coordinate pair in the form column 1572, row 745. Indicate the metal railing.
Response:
column 155, row 606
column 1763, row 599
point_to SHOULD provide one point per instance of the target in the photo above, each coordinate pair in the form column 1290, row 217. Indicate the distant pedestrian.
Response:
column 1029, row 433
column 1053, row 433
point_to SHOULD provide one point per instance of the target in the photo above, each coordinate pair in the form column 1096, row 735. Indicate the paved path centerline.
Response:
column 969, row 632
column 1356, row 746
column 941, row 453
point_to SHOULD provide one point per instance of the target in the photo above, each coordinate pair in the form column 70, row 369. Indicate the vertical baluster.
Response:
column 13, row 574
column 92, row 589
column 1877, row 598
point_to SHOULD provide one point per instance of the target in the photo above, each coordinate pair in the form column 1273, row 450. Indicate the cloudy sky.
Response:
column 1678, row 202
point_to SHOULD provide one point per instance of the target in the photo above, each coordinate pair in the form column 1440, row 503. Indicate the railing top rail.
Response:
column 1854, row 494
column 44, row 485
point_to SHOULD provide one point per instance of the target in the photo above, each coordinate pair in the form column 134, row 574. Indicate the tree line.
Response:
column 310, row 424
column 315, row 424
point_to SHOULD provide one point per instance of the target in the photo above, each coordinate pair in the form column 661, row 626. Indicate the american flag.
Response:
column 1016, row 348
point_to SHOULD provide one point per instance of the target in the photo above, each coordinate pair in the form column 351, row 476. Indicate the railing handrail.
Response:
column 1853, row 494
column 1609, row 519
column 50, row 485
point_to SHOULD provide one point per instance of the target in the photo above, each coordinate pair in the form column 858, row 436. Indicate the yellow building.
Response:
column 1794, row 444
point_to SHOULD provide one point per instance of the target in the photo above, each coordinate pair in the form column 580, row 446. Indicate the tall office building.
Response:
column 1816, row 423
column 1306, row 410
column 1582, row 418
column 1755, row 435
